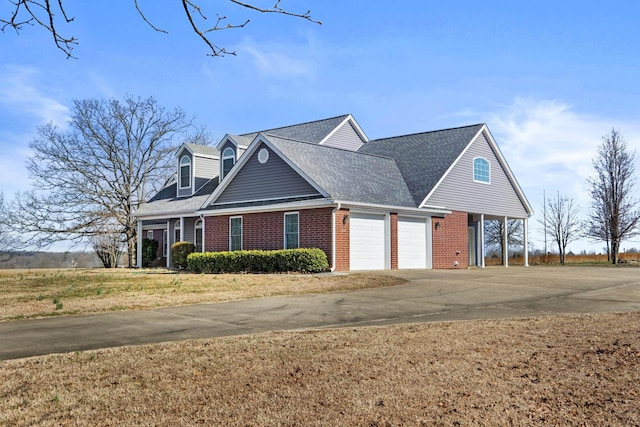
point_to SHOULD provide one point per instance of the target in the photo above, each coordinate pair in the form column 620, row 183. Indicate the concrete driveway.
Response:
column 493, row 292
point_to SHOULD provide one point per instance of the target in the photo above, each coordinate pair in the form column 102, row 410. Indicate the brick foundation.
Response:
column 450, row 241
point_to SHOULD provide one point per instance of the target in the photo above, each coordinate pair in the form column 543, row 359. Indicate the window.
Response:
column 235, row 233
column 291, row 230
column 177, row 236
column 165, row 243
column 150, row 234
column 185, row 172
column 481, row 170
column 228, row 160
column 198, row 235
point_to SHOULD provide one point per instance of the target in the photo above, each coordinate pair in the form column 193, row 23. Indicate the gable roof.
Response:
column 347, row 175
column 423, row 158
column 204, row 150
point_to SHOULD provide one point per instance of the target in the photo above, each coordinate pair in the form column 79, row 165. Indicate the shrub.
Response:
column 149, row 251
column 307, row 260
column 179, row 253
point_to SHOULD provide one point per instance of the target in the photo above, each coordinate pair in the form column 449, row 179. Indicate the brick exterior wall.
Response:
column 393, row 226
column 450, row 241
column 266, row 230
column 342, row 241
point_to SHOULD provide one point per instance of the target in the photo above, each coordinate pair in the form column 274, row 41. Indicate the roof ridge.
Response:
column 295, row 124
column 426, row 132
column 328, row 147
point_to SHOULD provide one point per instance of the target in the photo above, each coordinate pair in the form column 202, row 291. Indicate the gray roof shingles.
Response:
column 346, row 175
column 166, row 202
column 312, row 132
column 423, row 158
column 397, row 171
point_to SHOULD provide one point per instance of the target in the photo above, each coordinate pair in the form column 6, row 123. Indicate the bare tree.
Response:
column 561, row 222
column 5, row 238
column 614, row 214
column 109, row 248
column 494, row 233
column 50, row 14
column 95, row 175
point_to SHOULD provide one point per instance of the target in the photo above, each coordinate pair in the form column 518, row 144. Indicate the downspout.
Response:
column 333, row 237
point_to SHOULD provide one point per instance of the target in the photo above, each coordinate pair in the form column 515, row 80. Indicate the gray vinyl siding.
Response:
column 189, row 230
column 205, row 169
column 459, row 192
column 345, row 137
column 188, row 191
column 274, row 179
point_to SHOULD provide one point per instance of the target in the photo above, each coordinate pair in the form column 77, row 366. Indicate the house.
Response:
column 412, row 201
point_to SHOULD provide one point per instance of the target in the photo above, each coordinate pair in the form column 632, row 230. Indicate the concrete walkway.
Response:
column 493, row 292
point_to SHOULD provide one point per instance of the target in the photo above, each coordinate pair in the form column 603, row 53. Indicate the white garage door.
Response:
column 367, row 242
column 412, row 243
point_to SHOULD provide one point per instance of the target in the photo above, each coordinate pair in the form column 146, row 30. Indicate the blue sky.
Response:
column 549, row 78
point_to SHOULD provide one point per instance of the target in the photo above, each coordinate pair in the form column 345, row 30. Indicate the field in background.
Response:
column 630, row 258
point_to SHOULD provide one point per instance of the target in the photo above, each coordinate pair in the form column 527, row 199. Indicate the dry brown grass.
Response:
column 36, row 293
column 565, row 370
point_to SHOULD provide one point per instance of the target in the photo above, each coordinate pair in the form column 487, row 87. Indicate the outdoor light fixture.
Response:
column 345, row 219
column 437, row 225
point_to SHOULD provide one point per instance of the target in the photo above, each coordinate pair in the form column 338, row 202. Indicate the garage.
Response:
column 412, row 243
column 367, row 249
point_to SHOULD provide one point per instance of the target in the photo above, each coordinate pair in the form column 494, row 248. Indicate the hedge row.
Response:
column 287, row 260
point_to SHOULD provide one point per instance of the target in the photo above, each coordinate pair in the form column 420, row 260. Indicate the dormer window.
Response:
column 185, row 172
column 228, row 160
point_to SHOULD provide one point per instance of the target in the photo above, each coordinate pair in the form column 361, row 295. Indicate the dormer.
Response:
column 230, row 151
column 197, row 164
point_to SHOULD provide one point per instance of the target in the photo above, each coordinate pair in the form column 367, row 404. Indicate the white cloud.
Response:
column 281, row 62
column 550, row 146
column 19, row 92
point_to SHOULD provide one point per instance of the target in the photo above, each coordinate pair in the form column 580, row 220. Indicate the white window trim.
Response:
column 474, row 170
column 195, row 233
column 241, row 231
column 226, row 156
column 284, row 226
column 180, row 166
column 177, row 227
column 165, row 242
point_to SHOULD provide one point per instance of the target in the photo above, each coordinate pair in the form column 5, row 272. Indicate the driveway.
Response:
column 429, row 296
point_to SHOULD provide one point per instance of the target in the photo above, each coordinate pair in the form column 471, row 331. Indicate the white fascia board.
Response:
column 451, row 166
column 305, row 204
column 295, row 167
column 182, row 147
column 356, row 126
column 224, row 139
column 166, row 215
column 424, row 211
column 505, row 166
column 259, row 139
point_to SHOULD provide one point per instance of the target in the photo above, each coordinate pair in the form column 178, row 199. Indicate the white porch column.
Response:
column 203, row 234
column 525, row 241
column 482, row 248
column 139, row 245
column 182, row 229
column 505, row 244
